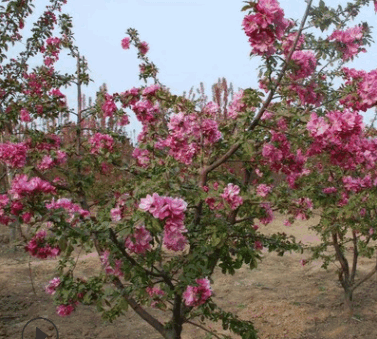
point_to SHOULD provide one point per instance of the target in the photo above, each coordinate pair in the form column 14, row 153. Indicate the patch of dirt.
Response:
column 282, row 298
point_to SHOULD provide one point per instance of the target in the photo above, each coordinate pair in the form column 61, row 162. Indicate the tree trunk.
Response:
column 172, row 334
column 348, row 303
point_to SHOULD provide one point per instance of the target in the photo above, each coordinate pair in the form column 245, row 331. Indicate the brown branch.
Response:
column 342, row 260
column 140, row 311
column 355, row 256
column 368, row 276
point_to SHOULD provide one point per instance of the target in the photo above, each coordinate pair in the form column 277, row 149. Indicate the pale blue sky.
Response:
column 190, row 42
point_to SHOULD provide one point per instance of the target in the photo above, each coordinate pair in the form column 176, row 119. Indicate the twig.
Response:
column 31, row 277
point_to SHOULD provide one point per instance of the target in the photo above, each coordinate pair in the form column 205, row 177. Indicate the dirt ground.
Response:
column 282, row 298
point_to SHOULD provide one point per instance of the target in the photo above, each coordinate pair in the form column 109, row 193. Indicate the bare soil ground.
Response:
column 282, row 298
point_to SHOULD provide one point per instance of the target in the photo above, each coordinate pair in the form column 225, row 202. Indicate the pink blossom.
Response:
column 154, row 291
column 46, row 163
column 13, row 154
column 237, row 105
column 101, row 142
column 289, row 40
column 143, row 48
column 306, row 61
column 174, row 241
column 116, row 214
column 349, row 41
column 231, row 196
column 258, row 245
column 109, row 106
column 139, row 241
column 265, row 27
column 263, row 190
column 197, row 295
column 329, row 190
column 270, row 214
column 151, row 90
column 68, row 206
column 52, row 286
column 37, row 247
column 26, row 217
column 21, row 186
column 123, row 120
column 117, row 271
column 126, row 43
column 142, row 156
column 25, row 115
column 287, row 223
column 64, row 310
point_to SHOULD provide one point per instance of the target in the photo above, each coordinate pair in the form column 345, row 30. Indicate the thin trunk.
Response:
column 348, row 303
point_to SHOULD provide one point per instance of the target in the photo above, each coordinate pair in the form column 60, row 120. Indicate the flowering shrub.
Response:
column 181, row 195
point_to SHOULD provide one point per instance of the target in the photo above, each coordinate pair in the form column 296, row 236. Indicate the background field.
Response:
column 281, row 297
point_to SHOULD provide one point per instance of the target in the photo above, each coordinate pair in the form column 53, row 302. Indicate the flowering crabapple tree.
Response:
column 337, row 171
column 177, row 198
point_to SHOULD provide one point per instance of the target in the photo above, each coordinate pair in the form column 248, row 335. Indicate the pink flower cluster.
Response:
column 145, row 111
column 21, row 186
column 306, row 62
column 13, row 154
column 126, row 43
column 139, row 241
column 64, row 310
column 343, row 124
column 265, row 27
column 117, row 212
column 329, row 190
column 143, row 48
column 56, row 93
column 211, row 109
column 186, row 127
column 269, row 213
column 357, row 184
column 342, row 137
column 155, row 293
column 70, row 207
column 231, row 196
column 25, row 115
column 101, row 142
column 132, row 95
column 236, row 106
column 109, row 106
column 53, row 49
column 303, row 205
column 48, row 162
column 52, row 286
column 142, row 157
column 348, row 41
column 306, row 93
column 4, row 201
column 263, row 190
column 288, row 41
column 151, row 90
column 117, row 271
column 37, row 247
column 172, row 209
column 50, row 142
column 197, row 295
column 366, row 89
